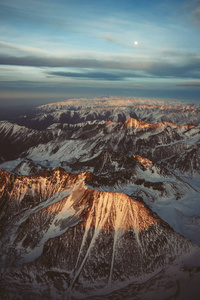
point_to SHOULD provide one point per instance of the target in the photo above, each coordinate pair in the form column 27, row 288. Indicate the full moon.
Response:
column 136, row 42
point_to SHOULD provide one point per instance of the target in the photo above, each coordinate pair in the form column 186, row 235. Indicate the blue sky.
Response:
column 53, row 50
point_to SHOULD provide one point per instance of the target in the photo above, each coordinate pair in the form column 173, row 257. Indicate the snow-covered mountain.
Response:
column 68, row 240
column 100, row 198
column 74, row 111
column 68, row 143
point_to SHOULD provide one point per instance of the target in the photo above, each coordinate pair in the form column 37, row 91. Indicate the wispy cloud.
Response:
column 152, row 68
column 94, row 63
column 90, row 75
column 194, row 8
column 119, row 42
column 137, row 85
column 196, row 11
column 19, row 49
column 108, row 76
column 187, row 84
column 32, row 12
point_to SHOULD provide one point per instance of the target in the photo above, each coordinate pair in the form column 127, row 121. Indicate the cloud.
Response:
column 194, row 7
column 196, row 11
column 188, row 68
column 119, row 42
column 111, row 39
column 116, row 41
column 94, row 63
column 40, row 13
column 137, row 85
column 11, row 48
column 90, row 75
column 165, row 70
column 108, row 76
column 187, row 84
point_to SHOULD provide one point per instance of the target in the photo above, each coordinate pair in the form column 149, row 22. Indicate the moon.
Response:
column 136, row 43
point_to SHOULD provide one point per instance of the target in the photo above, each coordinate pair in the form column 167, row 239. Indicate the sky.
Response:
column 54, row 50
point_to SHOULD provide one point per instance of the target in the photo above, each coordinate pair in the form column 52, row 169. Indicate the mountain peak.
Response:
column 113, row 211
column 187, row 126
column 109, row 122
column 131, row 122
column 144, row 161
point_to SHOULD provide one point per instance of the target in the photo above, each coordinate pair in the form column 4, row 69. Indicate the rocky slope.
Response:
column 76, row 241
column 16, row 139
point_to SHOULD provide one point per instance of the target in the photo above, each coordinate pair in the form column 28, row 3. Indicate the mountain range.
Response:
column 99, row 199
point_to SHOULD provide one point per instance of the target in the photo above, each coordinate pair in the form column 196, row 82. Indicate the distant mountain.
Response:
column 74, row 111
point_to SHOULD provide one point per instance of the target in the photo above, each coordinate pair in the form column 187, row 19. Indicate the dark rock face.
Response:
column 17, row 139
column 28, row 167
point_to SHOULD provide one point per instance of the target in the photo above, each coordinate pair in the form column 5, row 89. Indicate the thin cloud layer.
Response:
column 22, row 50
column 195, row 11
column 90, row 75
column 191, row 84
column 162, row 68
